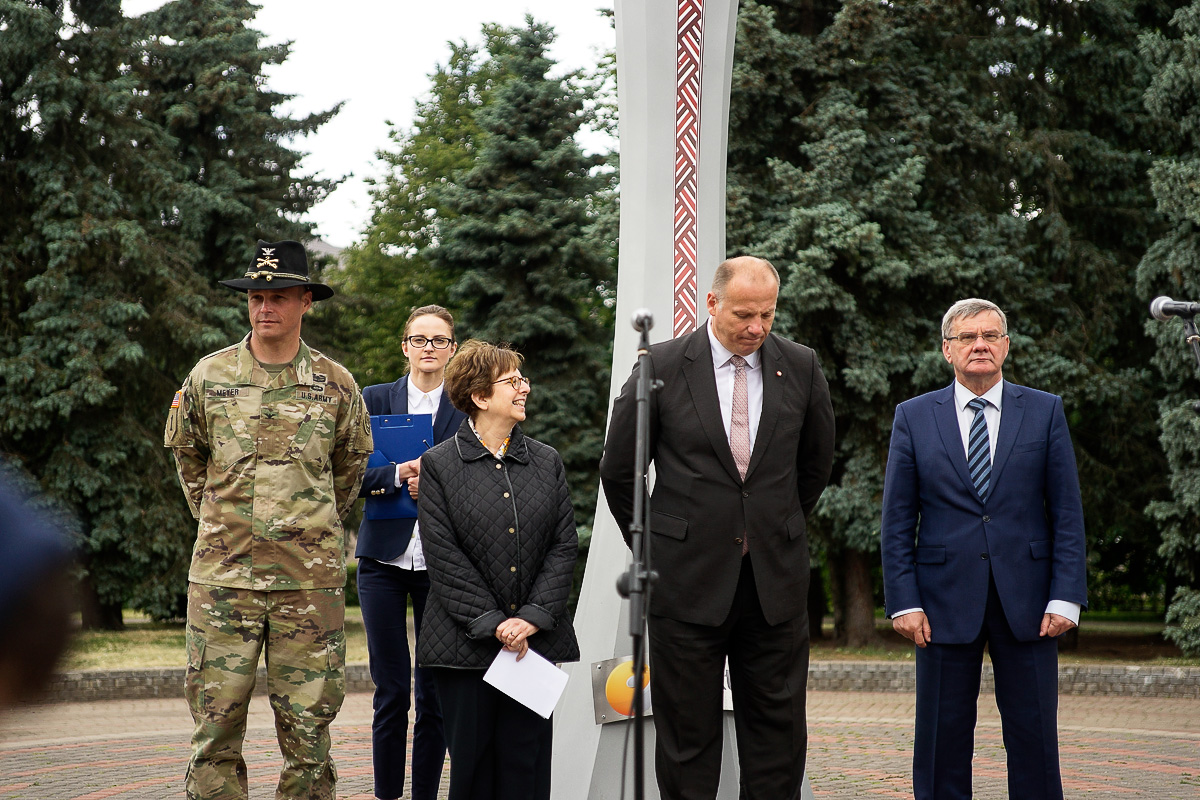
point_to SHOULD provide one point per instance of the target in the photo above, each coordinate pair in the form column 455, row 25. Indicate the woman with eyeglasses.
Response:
column 499, row 535
column 391, row 569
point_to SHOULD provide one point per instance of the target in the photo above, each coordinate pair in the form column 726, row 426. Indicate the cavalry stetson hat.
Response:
column 278, row 265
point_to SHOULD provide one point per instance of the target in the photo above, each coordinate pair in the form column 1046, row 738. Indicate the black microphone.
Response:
column 643, row 320
column 1164, row 308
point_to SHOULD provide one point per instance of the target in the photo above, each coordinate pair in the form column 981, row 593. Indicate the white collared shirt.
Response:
column 424, row 402
column 723, row 372
column 418, row 403
column 991, row 415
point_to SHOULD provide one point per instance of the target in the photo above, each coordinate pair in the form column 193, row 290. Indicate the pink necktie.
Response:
column 739, row 423
column 739, row 426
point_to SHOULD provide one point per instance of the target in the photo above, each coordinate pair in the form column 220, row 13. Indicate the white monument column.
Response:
column 674, row 61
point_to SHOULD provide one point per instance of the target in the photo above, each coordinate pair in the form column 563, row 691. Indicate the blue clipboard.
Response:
column 398, row 438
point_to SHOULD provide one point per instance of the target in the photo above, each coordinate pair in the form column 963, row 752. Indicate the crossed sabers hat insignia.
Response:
column 267, row 259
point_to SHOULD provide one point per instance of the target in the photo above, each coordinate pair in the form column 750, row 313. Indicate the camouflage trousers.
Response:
column 304, row 637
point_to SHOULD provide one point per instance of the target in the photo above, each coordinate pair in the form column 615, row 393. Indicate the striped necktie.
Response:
column 979, row 452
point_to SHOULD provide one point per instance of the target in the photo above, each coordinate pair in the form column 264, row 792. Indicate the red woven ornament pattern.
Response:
column 690, row 28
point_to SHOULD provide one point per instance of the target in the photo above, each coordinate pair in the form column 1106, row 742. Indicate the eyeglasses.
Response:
column 515, row 382
column 991, row 337
column 438, row 342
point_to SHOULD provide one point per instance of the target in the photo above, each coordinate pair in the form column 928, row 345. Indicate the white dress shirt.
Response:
column 723, row 371
column 418, row 403
column 991, row 415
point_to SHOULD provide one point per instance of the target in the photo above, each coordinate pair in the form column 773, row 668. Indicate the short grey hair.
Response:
column 738, row 265
column 964, row 309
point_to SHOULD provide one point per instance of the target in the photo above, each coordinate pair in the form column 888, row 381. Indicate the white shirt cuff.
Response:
column 1064, row 608
column 399, row 482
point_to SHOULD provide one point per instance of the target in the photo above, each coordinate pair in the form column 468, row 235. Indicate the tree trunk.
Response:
column 859, row 598
column 818, row 604
column 837, row 590
column 97, row 615
column 1069, row 640
column 853, row 598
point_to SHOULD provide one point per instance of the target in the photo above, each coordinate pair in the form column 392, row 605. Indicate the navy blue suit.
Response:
column 983, row 572
column 384, row 591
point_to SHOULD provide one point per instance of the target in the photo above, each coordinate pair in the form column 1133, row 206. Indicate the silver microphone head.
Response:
column 1157, row 308
column 643, row 319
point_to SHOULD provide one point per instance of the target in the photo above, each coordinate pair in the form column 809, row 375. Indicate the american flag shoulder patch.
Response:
column 178, row 399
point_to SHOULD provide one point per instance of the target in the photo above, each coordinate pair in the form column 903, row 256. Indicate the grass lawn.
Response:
column 160, row 644
column 1101, row 640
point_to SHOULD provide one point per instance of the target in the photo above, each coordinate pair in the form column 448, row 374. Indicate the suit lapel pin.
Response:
column 778, row 374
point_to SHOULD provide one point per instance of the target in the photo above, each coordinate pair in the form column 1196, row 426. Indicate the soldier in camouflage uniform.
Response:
column 271, row 440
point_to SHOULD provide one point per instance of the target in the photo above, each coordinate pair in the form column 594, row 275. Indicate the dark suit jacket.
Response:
column 939, row 540
column 700, row 507
column 387, row 539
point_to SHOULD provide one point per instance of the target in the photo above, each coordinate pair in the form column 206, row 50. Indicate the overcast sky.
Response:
column 376, row 55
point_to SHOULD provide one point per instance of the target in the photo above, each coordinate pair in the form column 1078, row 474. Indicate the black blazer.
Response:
column 700, row 506
column 387, row 539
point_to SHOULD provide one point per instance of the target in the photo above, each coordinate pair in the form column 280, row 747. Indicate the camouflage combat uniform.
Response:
column 270, row 466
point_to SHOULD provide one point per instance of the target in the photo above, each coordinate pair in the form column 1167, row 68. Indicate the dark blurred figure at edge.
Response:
column 35, row 597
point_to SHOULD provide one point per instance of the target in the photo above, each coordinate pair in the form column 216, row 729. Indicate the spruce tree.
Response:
column 517, row 238
column 387, row 274
column 898, row 157
column 1070, row 77
column 107, row 276
column 1169, row 268
column 864, row 200
column 200, row 68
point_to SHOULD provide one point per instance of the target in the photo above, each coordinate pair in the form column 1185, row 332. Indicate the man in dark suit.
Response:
column 391, row 569
column 983, row 544
column 741, row 435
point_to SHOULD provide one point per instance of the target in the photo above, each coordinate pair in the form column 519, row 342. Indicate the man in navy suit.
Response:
column 391, row 569
column 983, row 544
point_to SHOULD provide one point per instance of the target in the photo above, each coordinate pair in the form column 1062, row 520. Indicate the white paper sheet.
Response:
column 533, row 681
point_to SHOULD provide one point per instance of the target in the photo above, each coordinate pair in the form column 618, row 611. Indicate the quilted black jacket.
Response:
column 499, row 540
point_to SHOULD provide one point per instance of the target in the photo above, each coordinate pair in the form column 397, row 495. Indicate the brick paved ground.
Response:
column 860, row 747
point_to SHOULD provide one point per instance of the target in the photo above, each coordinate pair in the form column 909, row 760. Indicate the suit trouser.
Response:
column 383, row 592
column 302, row 632
column 948, row 678
column 768, row 668
column 499, row 749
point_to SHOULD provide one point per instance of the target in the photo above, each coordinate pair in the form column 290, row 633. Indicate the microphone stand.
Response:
column 1192, row 337
column 636, row 582
column 1163, row 308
